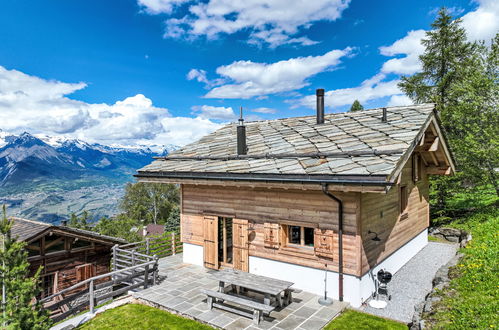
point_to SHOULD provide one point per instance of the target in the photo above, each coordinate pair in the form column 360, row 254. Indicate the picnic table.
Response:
column 271, row 288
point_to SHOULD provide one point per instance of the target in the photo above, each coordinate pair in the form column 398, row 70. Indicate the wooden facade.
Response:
column 267, row 214
column 65, row 255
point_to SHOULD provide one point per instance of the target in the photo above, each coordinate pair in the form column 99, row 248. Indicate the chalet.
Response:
column 339, row 195
column 67, row 255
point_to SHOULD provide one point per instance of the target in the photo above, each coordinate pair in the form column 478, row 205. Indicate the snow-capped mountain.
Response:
column 27, row 158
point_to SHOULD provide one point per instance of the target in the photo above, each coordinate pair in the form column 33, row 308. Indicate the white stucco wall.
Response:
column 394, row 262
column 192, row 254
column 355, row 289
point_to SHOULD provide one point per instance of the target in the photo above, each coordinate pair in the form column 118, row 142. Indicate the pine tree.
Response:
column 356, row 106
column 19, row 309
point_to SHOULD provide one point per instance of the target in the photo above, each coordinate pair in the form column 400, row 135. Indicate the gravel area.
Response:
column 413, row 281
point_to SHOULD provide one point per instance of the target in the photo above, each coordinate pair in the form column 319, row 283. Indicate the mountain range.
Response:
column 47, row 178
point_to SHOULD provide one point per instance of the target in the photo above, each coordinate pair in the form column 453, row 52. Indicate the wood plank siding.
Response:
column 269, row 210
column 381, row 213
column 262, row 206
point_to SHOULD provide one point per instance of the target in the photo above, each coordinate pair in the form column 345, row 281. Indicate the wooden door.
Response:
column 210, row 231
column 240, row 244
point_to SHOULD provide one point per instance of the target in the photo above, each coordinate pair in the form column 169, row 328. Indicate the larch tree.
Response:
column 445, row 59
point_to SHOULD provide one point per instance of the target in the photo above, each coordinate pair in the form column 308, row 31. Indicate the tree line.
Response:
column 142, row 204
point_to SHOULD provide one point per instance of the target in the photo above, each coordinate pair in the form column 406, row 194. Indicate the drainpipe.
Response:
column 340, row 238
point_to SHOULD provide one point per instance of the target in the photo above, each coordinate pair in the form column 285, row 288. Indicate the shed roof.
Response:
column 348, row 147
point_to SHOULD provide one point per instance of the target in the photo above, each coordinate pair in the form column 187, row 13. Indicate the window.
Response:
column 303, row 236
column 403, row 199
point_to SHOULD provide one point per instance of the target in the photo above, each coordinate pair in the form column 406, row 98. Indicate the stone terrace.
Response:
column 179, row 292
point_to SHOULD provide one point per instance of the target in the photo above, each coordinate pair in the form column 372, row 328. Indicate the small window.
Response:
column 303, row 236
column 403, row 199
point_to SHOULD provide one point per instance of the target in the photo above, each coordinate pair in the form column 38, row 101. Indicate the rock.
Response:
column 453, row 239
column 450, row 232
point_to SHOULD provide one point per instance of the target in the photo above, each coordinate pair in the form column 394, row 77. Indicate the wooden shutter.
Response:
column 323, row 242
column 271, row 231
column 240, row 244
column 84, row 272
column 210, row 231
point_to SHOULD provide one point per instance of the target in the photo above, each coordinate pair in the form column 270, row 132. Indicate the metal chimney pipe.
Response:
column 242, row 148
column 383, row 117
column 320, row 105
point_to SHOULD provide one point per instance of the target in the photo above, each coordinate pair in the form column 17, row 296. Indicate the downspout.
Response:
column 340, row 238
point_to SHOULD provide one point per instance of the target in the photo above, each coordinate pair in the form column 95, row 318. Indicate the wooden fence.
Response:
column 162, row 246
column 134, row 265
column 135, row 270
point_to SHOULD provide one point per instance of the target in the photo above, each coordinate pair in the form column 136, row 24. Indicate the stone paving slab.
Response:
column 179, row 292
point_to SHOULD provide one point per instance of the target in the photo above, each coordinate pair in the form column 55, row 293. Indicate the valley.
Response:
column 46, row 178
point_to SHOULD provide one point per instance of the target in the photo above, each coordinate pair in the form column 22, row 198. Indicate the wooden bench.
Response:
column 257, row 308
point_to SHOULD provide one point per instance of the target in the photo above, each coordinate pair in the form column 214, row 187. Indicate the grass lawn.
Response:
column 472, row 298
column 351, row 319
column 135, row 316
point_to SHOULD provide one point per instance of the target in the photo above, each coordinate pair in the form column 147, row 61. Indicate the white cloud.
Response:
column 483, row 23
column 183, row 130
column 264, row 110
column 29, row 103
column 160, row 6
column 215, row 113
column 274, row 22
column 373, row 88
column 252, row 79
column 397, row 100
column 198, row 75
column 411, row 47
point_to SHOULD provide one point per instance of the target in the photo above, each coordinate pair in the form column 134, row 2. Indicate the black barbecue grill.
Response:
column 382, row 279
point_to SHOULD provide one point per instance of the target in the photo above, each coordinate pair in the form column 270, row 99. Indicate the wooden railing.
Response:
column 72, row 299
column 162, row 246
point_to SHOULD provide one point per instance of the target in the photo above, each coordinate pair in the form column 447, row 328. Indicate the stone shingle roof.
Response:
column 350, row 144
column 24, row 230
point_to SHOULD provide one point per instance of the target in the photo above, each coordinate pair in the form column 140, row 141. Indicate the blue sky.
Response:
column 169, row 71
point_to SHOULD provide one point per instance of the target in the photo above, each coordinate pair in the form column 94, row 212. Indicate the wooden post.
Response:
column 91, row 296
column 155, row 274
column 173, row 243
column 147, row 245
column 146, row 277
column 114, row 260
column 133, row 264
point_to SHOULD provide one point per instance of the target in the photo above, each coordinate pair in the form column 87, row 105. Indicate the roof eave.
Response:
column 364, row 180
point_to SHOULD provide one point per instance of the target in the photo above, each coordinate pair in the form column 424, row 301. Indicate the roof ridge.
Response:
column 356, row 113
column 32, row 221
